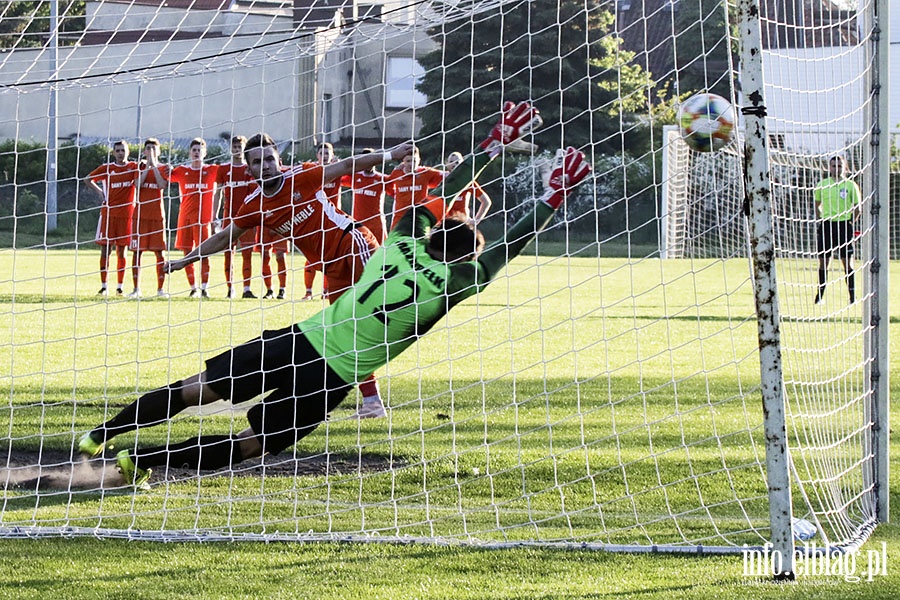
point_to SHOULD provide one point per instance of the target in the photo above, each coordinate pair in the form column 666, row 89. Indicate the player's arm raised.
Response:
column 212, row 245
column 570, row 169
column 361, row 162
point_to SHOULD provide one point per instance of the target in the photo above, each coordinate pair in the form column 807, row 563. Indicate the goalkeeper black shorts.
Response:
column 303, row 388
column 835, row 237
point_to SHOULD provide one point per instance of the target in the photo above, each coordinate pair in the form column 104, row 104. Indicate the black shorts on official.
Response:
column 304, row 389
column 835, row 237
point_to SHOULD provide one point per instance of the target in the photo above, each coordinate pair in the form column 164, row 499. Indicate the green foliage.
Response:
column 703, row 57
column 26, row 24
column 575, row 73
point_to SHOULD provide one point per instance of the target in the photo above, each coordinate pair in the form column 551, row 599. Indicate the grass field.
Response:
column 594, row 400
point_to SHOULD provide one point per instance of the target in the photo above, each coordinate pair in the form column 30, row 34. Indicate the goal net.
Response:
column 603, row 392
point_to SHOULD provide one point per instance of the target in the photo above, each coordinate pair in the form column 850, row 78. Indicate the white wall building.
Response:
column 177, row 69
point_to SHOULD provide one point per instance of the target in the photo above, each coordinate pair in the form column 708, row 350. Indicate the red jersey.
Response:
column 236, row 183
column 412, row 188
column 300, row 211
column 150, row 196
column 461, row 205
column 118, row 184
column 332, row 189
column 368, row 200
column 197, row 188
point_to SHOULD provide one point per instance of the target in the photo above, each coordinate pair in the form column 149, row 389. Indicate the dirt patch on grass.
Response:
column 50, row 470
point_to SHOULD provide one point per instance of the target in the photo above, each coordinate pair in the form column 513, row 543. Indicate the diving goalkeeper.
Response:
column 420, row 273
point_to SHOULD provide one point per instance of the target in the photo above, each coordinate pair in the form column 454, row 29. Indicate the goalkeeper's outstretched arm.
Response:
column 515, row 121
column 570, row 169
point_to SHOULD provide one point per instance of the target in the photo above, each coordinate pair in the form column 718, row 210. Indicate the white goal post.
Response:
column 606, row 391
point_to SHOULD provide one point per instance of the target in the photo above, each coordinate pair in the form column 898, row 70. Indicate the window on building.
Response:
column 403, row 73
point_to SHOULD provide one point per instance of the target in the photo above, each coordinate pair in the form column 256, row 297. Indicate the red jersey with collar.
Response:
column 236, row 183
column 150, row 195
column 118, row 183
column 369, row 190
column 412, row 188
column 300, row 211
column 197, row 187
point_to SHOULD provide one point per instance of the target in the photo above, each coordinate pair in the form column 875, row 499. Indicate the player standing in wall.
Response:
column 233, row 184
column 197, row 186
column 149, row 225
column 411, row 184
column 114, row 184
column 332, row 189
column 369, row 189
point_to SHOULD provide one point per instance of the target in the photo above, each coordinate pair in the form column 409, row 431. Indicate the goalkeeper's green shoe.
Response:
column 88, row 448
column 131, row 473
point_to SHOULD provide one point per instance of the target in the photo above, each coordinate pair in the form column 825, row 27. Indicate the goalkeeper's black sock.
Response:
column 150, row 409
column 851, row 286
column 821, row 293
column 204, row 453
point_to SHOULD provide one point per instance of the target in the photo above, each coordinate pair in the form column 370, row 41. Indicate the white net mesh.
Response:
column 593, row 394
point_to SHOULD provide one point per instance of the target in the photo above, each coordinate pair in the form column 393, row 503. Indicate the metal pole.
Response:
column 762, row 243
column 51, row 176
column 876, row 317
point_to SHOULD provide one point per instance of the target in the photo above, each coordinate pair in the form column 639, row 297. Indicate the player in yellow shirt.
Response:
column 837, row 200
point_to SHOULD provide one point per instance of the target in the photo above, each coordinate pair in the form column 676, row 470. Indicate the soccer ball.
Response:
column 706, row 122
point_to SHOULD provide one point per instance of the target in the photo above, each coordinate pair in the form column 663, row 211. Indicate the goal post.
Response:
column 638, row 379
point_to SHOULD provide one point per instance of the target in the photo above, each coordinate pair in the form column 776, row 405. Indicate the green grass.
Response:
column 504, row 415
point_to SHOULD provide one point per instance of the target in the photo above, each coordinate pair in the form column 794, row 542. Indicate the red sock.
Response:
column 228, row 255
column 266, row 270
column 160, row 271
column 309, row 275
column 369, row 387
column 282, row 270
column 247, row 266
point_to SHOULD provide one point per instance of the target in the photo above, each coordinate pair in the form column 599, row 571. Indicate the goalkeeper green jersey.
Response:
column 837, row 197
column 403, row 292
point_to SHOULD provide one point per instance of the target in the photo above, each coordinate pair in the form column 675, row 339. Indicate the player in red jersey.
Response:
column 461, row 206
column 197, row 185
column 332, row 189
column 233, row 184
column 293, row 205
column 148, row 225
column 411, row 184
column 114, row 183
column 369, row 189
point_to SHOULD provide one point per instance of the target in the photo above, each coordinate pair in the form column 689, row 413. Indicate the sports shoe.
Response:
column 204, row 294
column 136, row 294
column 131, row 473
column 248, row 294
column 371, row 409
column 269, row 295
column 818, row 299
column 230, row 293
column 161, row 294
column 119, row 292
column 280, row 295
column 307, row 296
column 103, row 292
column 194, row 293
column 88, row 448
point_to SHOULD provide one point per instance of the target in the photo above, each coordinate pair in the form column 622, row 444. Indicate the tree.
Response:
column 704, row 60
column 26, row 24
column 561, row 55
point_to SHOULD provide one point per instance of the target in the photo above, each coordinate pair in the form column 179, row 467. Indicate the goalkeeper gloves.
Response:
column 569, row 169
column 515, row 121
